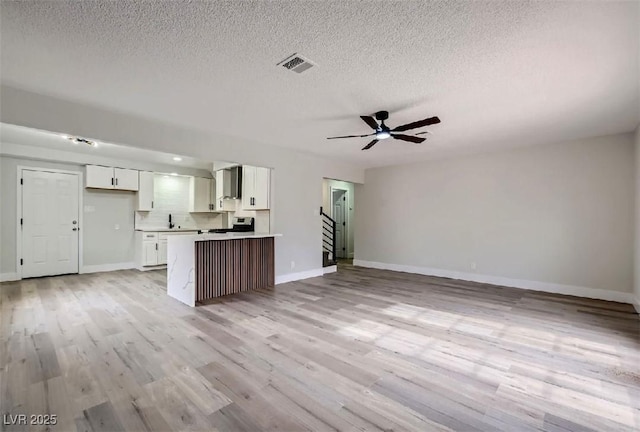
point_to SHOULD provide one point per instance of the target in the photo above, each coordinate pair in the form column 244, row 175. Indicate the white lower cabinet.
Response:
column 151, row 247
column 150, row 253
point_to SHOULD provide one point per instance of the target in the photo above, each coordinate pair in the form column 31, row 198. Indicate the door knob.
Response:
column 74, row 222
column 74, row 229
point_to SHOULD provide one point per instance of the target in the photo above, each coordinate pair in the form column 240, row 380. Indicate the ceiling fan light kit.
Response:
column 382, row 131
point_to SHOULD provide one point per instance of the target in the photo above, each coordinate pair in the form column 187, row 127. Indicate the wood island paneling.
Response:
column 226, row 267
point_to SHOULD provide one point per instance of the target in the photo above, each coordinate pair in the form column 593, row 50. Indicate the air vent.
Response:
column 296, row 63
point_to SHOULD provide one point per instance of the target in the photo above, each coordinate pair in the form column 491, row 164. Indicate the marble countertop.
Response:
column 226, row 236
column 165, row 229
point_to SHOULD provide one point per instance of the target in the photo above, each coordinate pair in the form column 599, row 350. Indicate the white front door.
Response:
column 339, row 215
column 50, row 223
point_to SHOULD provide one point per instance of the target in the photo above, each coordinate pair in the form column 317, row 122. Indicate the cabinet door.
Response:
column 100, row 177
column 145, row 191
column 261, row 190
column 220, row 182
column 149, row 253
column 200, row 195
column 248, row 186
column 126, row 179
column 162, row 251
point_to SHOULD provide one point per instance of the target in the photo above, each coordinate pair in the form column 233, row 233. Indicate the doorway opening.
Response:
column 338, row 209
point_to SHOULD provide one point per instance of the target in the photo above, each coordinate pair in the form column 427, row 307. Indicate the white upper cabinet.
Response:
column 201, row 195
column 256, row 182
column 145, row 191
column 101, row 177
column 126, row 179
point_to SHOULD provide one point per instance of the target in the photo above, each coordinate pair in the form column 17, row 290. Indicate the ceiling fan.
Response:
column 382, row 131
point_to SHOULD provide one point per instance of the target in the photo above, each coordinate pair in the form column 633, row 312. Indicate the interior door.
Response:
column 339, row 215
column 50, row 223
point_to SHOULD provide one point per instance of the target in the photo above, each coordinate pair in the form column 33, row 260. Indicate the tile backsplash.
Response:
column 171, row 196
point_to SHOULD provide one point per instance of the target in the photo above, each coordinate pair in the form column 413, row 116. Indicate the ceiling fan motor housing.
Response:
column 382, row 115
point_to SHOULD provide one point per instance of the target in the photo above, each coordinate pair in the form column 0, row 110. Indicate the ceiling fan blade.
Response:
column 351, row 136
column 417, row 124
column 409, row 138
column 373, row 124
column 423, row 133
column 371, row 144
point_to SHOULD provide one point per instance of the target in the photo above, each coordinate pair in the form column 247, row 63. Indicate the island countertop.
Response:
column 227, row 236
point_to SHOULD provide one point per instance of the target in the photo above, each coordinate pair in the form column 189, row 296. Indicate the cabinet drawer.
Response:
column 150, row 236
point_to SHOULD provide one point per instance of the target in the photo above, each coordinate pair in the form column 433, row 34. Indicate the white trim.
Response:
column 636, row 304
column 98, row 268
column 290, row 277
column 330, row 269
column 153, row 267
column 8, row 277
column 600, row 294
column 19, row 214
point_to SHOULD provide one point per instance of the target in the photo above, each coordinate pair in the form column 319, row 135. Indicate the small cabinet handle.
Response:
column 74, row 229
column 116, row 182
column 156, row 246
column 151, row 204
column 111, row 181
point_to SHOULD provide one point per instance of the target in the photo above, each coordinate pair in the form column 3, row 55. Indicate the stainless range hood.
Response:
column 231, row 179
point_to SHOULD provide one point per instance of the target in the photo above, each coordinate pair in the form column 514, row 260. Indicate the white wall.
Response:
column 327, row 184
column 559, row 215
column 637, row 222
column 102, row 243
column 297, row 177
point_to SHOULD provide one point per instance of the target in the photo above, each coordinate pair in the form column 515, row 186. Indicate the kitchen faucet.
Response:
column 171, row 225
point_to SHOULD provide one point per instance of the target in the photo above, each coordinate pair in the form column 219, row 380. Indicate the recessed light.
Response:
column 174, row 174
column 177, row 159
column 64, row 136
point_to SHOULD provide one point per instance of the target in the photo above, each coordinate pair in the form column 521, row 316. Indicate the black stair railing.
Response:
column 328, row 234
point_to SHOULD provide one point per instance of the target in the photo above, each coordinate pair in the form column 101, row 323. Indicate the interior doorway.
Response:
column 339, row 213
column 337, row 223
column 49, row 222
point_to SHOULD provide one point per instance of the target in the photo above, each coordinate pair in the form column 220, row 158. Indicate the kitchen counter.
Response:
column 165, row 229
column 208, row 265
column 230, row 236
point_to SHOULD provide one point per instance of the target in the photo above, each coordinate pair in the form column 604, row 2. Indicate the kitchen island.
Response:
column 205, row 266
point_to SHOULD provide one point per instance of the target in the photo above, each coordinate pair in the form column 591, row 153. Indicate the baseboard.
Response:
column 636, row 304
column 615, row 296
column 148, row 268
column 298, row 276
column 107, row 267
column 8, row 277
column 329, row 269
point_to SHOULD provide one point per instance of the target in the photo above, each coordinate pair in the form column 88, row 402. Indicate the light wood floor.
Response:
column 359, row 349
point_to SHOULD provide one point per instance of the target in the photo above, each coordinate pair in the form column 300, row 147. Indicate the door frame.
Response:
column 19, row 215
column 347, row 225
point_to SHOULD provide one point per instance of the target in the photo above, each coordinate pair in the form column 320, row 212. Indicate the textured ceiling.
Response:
column 496, row 73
